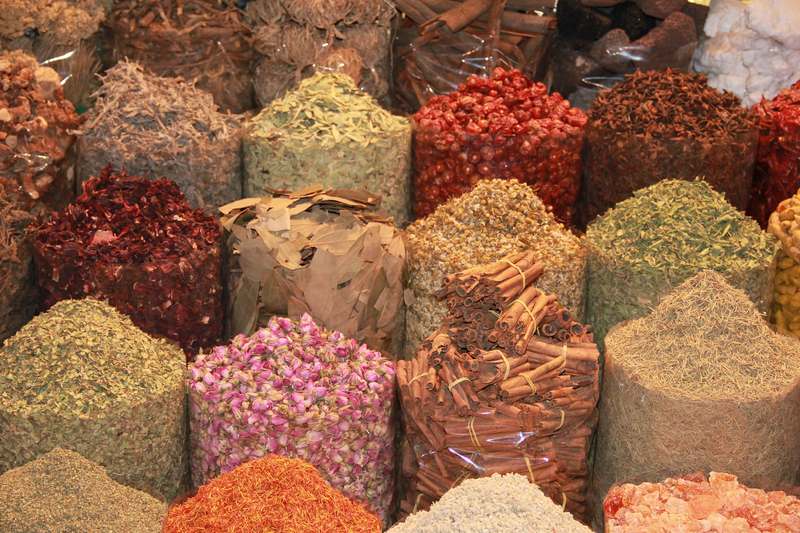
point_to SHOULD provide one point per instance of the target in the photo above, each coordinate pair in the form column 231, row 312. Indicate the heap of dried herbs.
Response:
column 317, row 251
column 666, row 125
column 36, row 124
column 82, row 376
column 663, row 235
column 163, row 127
column 136, row 243
column 62, row 491
column 496, row 218
column 201, row 40
column 292, row 37
column 329, row 131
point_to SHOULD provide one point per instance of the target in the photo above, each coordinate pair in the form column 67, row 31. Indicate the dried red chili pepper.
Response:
column 777, row 171
column 136, row 243
column 502, row 127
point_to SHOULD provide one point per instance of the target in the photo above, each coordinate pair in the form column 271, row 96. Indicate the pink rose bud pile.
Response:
column 296, row 390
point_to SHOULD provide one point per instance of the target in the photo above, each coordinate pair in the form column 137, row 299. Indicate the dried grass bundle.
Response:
column 292, row 37
column 202, row 40
column 163, row 127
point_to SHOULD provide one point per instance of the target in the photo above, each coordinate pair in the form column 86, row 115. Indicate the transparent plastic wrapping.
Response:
column 443, row 42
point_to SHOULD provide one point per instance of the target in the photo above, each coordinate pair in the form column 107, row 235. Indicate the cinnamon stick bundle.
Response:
column 494, row 391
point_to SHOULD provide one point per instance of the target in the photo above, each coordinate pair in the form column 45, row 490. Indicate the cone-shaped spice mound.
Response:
column 62, row 491
column 700, row 384
column 82, row 376
column 270, row 494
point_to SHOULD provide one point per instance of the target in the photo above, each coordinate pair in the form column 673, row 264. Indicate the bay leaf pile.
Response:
column 495, row 219
column 328, row 131
column 163, row 127
column 82, row 376
column 318, row 251
column 291, row 37
column 62, row 491
column 651, row 243
column 700, row 384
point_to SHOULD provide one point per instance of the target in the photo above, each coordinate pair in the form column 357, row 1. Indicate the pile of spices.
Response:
column 136, row 243
column 62, row 491
column 500, row 127
column 651, row 243
column 509, row 383
column 297, row 390
column 81, row 376
column 666, row 125
column 18, row 296
column 700, row 384
column 201, row 40
column 36, row 130
column 163, row 127
column 777, row 173
column 496, row 218
column 785, row 225
column 323, row 252
column 694, row 503
column 328, row 131
column 295, row 38
column 501, row 504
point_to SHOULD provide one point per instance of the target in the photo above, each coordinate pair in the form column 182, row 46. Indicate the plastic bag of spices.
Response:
column 783, row 223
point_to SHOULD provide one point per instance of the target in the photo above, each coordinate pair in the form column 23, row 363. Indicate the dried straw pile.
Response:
column 202, row 40
column 163, row 127
column 700, row 384
column 293, row 36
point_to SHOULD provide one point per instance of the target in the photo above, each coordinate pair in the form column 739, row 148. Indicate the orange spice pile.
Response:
column 273, row 494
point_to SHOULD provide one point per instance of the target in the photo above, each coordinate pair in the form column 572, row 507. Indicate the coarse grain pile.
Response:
column 666, row 125
column 272, row 493
column 785, row 225
column 651, row 243
column 323, row 252
column 509, row 383
column 500, row 127
column 203, row 40
column 700, row 384
column 36, row 130
column 81, row 376
column 328, row 131
column 136, row 243
column 62, row 491
column 163, row 127
column 498, row 504
column 496, row 218
column 777, row 172
column 297, row 390
column 294, row 37
column 695, row 504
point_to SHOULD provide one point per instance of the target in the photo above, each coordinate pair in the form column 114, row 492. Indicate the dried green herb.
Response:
column 663, row 235
column 82, row 376
column 329, row 132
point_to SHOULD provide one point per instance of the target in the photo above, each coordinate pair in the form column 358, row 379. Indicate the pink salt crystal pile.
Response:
column 296, row 390
column 693, row 504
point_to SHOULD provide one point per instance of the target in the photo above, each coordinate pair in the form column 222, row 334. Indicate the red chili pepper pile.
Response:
column 502, row 127
column 777, row 174
column 136, row 243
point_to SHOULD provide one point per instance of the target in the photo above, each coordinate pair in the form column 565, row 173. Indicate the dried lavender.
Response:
column 297, row 390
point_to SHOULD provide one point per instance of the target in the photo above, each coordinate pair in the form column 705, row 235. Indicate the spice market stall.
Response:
column 651, row 243
column 329, row 132
column 81, row 376
column 700, row 384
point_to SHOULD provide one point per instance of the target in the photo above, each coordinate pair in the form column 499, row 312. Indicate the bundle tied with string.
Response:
column 509, row 383
column 206, row 41
column 701, row 384
column 293, row 38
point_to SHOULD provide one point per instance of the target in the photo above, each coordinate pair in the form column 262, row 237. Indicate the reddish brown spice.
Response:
column 136, row 243
column 777, row 172
column 502, row 127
